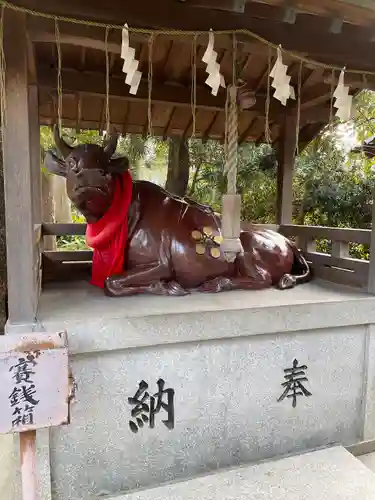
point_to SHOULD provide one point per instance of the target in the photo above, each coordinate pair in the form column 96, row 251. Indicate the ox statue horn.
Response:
column 63, row 148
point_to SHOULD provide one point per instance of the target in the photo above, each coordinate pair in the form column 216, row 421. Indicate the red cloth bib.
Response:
column 109, row 236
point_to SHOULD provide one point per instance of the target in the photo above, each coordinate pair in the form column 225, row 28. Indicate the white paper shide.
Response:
column 343, row 101
column 130, row 67
column 215, row 79
column 281, row 81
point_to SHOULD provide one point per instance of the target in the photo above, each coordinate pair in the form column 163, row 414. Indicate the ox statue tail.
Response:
column 300, row 273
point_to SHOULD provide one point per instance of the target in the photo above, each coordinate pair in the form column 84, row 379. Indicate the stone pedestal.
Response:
column 225, row 357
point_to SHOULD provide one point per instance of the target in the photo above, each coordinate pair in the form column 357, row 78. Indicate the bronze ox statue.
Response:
column 172, row 244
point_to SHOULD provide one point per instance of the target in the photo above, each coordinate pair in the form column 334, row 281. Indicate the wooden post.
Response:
column 36, row 181
column 28, row 465
column 286, row 157
column 22, row 301
column 340, row 249
column 371, row 268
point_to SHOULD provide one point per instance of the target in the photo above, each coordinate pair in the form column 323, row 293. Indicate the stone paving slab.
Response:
column 330, row 474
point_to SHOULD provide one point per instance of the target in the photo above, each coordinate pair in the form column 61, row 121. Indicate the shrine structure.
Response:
column 169, row 388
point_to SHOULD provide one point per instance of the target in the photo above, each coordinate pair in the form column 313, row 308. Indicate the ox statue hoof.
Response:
column 287, row 281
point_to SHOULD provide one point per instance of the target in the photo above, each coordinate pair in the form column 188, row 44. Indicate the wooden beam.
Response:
column 181, row 15
column 226, row 5
column 63, row 229
column 308, row 35
column 91, row 37
column 315, row 115
column 361, row 12
column 355, row 81
column 320, row 98
column 314, row 77
column 22, row 286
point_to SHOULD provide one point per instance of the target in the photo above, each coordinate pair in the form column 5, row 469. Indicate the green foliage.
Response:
column 73, row 242
column 256, row 180
column 332, row 187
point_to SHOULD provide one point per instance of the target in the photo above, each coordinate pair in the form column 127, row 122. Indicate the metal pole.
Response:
column 28, row 465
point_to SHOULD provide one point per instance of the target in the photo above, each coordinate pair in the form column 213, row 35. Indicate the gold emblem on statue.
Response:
column 200, row 249
column 215, row 252
column 207, row 241
column 197, row 235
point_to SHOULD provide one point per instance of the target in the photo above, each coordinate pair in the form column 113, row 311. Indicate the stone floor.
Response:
column 317, row 461
column 330, row 474
column 368, row 460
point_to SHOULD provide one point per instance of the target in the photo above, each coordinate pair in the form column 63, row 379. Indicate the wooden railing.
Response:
column 65, row 265
column 337, row 266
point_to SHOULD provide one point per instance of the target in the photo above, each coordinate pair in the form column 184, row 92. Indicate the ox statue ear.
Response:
column 118, row 165
column 54, row 165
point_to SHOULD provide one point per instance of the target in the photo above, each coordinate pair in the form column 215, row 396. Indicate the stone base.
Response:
column 224, row 356
column 332, row 474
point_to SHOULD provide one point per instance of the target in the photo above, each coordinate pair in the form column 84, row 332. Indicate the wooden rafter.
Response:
column 83, row 58
column 169, row 123
column 321, row 94
column 361, row 12
column 169, row 94
column 188, row 128
column 246, row 132
column 126, row 116
column 207, row 132
column 314, row 77
column 160, row 71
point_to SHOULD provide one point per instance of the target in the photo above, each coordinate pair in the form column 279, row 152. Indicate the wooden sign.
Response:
column 34, row 382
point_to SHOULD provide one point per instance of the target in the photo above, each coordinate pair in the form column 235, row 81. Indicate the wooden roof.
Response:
column 313, row 31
